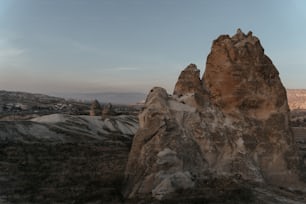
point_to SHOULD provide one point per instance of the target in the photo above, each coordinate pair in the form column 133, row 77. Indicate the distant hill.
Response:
column 24, row 97
column 23, row 103
column 296, row 98
column 106, row 97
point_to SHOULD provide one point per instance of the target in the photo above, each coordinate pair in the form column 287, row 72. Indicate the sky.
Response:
column 61, row 46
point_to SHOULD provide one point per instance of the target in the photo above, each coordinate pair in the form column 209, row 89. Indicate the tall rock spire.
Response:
column 232, row 124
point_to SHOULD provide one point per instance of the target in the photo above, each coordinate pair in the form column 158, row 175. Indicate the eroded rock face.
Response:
column 232, row 125
column 95, row 108
column 242, row 79
column 190, row 89
column 189, row 81
column 107, row 111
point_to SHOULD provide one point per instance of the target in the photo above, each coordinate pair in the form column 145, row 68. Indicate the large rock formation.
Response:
column 242, row 79
column 230, row 125
column 244, row 84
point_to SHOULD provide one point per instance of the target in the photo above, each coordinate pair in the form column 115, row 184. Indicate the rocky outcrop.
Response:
column 231, row 125
column 95, row 108
column 107, row 111
column 189, row 87
column 242, row 79
column 244, row 84
column 189, row 81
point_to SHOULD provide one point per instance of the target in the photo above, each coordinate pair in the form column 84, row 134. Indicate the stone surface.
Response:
column 241, row 78
column 297, row 99
column 244, row 83
column 235, row 130
column 189, row 81
column 107, row 111
column 190, row 89
column 95, row 108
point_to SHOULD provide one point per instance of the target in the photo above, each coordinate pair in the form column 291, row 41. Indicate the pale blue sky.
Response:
column 132, row 45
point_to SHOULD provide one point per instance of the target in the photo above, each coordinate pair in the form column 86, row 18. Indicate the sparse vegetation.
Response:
column 86, row 170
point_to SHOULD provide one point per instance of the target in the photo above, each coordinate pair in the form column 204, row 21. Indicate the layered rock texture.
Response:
column 242, row 79
column 228, row 128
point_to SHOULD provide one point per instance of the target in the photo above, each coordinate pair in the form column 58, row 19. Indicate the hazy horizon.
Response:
column 131, row 46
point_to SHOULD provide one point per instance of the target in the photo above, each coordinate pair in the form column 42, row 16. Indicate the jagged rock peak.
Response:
column 232, row 122
column 189, row 88
column 245, row 45
column 189, row 81
column 241, row 35
column 240, row 77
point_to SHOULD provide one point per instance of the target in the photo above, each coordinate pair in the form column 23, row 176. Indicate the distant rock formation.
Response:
column 297, row 99
column 23, row 105
column 231, row 124
column 107, row 111
column 95, row 108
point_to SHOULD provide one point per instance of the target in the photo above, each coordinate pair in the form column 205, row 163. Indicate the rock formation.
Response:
column 95, row 108
column 189, row 87
column 107, row 111
column 241, row 78
column 296, row 99
column 230, row 125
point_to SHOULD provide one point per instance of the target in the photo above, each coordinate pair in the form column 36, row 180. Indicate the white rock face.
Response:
column 53, row 118
column 70, row 128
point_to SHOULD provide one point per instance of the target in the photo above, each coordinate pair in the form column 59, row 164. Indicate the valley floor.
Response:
column 81, row 159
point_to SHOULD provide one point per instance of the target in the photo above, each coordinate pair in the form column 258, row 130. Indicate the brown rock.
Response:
column 189, row 88
column 107, row 110
column 240, row 78
column 95, row 108
column 241, row 134
column 189, row 81
column 244, row 83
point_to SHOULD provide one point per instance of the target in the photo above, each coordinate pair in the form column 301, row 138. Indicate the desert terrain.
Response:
column 215, row 139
